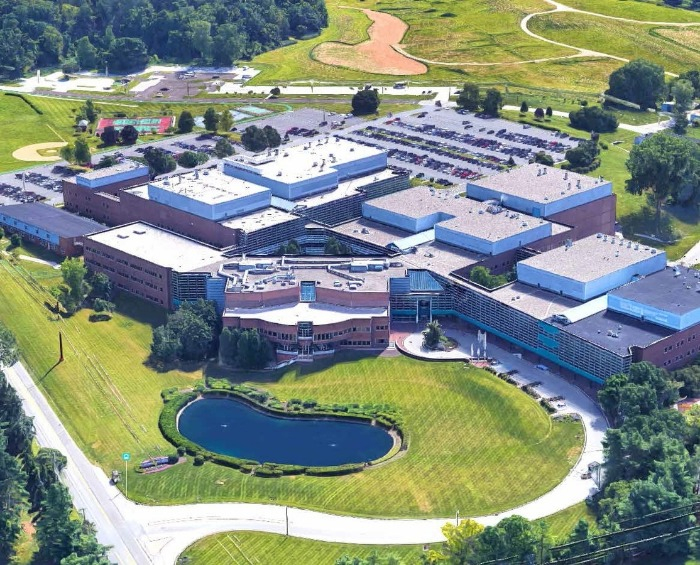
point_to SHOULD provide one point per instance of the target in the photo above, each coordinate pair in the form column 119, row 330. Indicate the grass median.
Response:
column 475, row 443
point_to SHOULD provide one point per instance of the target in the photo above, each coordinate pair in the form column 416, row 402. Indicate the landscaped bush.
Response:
column 335, row 471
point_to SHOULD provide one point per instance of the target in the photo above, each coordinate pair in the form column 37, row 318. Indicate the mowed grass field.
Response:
column 274, row 549
column 254, row 547
column 24, row 126
column 623, row 39
column 487, row 31
column 475, row 443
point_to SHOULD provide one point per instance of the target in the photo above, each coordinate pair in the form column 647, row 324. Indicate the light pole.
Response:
column 457, row 518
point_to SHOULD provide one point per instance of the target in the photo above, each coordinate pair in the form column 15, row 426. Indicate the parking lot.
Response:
column 432, row 143
column 452, row 147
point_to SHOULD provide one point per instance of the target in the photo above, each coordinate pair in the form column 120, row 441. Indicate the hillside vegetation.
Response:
column 124, row 35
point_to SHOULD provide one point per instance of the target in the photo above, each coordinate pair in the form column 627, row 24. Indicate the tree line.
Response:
column 29, row 482
column 125, row 35
column 647, row 503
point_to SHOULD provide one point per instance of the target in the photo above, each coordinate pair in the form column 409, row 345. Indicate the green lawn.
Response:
column 485, row 31
column 635, row 10
column 461, row 423
column 24, row 126
column 268, row 549
column 624, row 39
column 255, row 547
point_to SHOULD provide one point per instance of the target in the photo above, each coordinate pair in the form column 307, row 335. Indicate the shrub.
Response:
column 199, row 460
column 335, row 471
column 593, row 118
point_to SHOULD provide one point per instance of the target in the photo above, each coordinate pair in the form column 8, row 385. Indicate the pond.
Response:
column 234, row 428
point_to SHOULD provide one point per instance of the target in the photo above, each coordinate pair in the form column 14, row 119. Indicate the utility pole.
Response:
column 60, row 347
column 286, row 520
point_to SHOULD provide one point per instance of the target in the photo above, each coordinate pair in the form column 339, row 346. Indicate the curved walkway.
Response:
column 158, row 534
column 580, row 52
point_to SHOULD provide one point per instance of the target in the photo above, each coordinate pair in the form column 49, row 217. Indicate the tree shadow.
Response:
column 642, row 223
column 299, row 370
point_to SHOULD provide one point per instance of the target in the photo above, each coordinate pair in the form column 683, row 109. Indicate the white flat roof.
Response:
column 319, row 314
column 158, row 246
column 538, row 183
column 485, row 221
column 306, row 160
column 591, row 257
column 259, row 220
column 210, row 186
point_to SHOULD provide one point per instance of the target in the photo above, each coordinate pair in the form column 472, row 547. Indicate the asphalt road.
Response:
column 158, row 534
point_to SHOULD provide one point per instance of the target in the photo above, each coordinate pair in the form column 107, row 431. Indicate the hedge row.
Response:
column 175, row 402
column 26, row 100
column 583, row 170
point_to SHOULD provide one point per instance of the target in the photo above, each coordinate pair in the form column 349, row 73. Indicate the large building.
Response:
column 241, row 206
column 160, row 266
column 312, row 307
column 52, row 228
column 582, row 299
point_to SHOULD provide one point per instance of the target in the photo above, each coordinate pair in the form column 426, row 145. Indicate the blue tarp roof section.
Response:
column 414, row 240
column 422, row 281
column 399, row 285
column 282, row 204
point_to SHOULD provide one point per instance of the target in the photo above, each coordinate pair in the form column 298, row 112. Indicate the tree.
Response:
column 109, row 136
column 128, row 135
column 548, row 112
column 9, row 354
column 593, row 118
column 225, row 121
column 127, row 54
column 365, row 102
column 254, row 350
column 201, row 38
column 662, row 166
column 74, row 289
column 544, row 159
column 254, row 139
column 272, row 136
column 469, row 97
column 55, row 531
column 539, row 114
column 81, row 150
column 12, row 499
column 2, row 233
column 524, row 107
column 89, row 110
column 694, row 78
column 492, row 102
column 211, row 119
column 228, row 345
column 15, row 240
column 334, row 247
column 583, row 155
column 223, row 148
column 640, row 81
column 683, row 92
column 185, row 123
column 159, row 162
column 85, row 53
column 190, row 159
column 67, row 153
column 101, row 305
column 433, row 334
column 165, row 345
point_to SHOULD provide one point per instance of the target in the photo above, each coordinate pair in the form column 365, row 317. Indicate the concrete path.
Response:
column 158, row 534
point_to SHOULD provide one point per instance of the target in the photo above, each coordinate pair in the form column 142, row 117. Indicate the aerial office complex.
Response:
column 580, row 297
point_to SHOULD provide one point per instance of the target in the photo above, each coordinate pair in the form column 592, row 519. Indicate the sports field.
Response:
column 461, row 423
column 55, row 118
